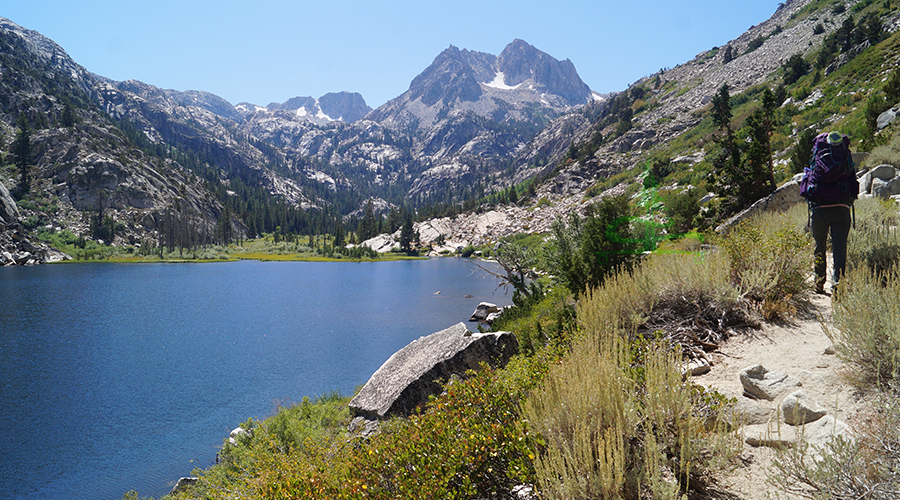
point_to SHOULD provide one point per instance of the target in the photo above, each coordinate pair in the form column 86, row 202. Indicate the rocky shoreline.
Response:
column 15, row 247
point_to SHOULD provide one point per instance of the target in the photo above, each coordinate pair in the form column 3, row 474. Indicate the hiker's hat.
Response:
column 835, row 138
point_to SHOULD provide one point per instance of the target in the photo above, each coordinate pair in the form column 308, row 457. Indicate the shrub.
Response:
column 682, row 209
column 661, row 293
column 875, row 241
column 874, row 107
column 302, row 450
column 755, row 44
column 292, row 426
column 794, row 69
column 770, row 259
column 888, row 154
column 802, row 152
column 867, row 325
column 468, row 443
column 549, row 320
column 588, row 249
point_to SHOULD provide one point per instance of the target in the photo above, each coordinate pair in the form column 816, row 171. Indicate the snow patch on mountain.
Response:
column 499, row 83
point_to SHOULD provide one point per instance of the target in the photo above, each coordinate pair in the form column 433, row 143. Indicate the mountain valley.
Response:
column 160, row 167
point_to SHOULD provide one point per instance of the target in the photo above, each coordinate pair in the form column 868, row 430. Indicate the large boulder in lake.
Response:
column 412, row 374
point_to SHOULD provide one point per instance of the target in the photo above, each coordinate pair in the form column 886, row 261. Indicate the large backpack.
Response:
column 830, row 177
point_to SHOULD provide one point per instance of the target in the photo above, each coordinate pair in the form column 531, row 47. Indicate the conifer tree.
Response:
column 394, row 220
column 23, row 150
column 728, row 158
column 339, row 242
column 368, row 226
column 406, row 234
column 728, row 55
column 742, row 180
column 803, row 151
column 892, row 88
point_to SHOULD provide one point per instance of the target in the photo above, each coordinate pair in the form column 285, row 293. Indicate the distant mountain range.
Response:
column 136, row 152
column 332, row 107
column 164, row 164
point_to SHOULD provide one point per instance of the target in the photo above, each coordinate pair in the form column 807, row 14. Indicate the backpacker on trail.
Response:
column 830, row 178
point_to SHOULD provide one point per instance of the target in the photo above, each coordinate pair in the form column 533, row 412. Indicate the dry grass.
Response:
column 874, row 243
column 685, row 297
column 867, row 326
column 617, row 419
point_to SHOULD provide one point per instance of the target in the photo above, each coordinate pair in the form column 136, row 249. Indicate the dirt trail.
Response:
column 798, row 348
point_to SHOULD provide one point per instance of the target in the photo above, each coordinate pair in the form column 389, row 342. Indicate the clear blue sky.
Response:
column 264, row 51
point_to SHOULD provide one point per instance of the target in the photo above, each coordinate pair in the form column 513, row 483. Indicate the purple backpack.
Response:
column 830, row 177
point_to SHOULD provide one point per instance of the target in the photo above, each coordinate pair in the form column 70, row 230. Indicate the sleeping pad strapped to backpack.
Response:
column 830, row 178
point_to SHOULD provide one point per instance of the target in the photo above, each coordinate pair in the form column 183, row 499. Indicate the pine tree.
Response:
column 728, row 55
column 368, row 226
column 728, row 158
column 394, row 220
column 794, row 68
column 23, row 150
column 339, row 236
column 741, row 179
column 892, row 88
column 407, row 235
column 68, row 116
column 803, row 151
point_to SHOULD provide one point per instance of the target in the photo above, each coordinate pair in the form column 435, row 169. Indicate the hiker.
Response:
column 829, row 185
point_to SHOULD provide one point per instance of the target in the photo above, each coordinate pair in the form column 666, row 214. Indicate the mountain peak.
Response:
column 448, row 78
column 501, row 89
column 521, row 61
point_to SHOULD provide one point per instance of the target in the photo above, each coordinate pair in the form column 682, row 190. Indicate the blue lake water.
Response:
column 128, row 376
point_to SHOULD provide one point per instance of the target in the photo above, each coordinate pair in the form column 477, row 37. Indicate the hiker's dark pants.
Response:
column 837, row 220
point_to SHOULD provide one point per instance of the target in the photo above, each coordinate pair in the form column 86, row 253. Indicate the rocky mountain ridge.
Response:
column 132, row 151
column 471, row 124
column 514, row 86
column 347, row 107
column 683, row 93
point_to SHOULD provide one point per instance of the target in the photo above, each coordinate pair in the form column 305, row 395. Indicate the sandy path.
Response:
column 796, row 347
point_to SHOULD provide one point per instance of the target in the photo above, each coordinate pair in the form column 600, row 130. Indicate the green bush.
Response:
column 469, row 443
column 585, row 251
column 683, row 209
column 292, row 426
column 302, row 449
column 802, row 152
column 770, row 259
column 552, row 319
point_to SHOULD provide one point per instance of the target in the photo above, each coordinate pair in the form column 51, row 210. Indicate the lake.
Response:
column 116, row 377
